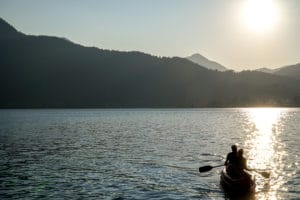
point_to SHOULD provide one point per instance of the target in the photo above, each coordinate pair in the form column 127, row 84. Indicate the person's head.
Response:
column 234, row 148
column 240, row 152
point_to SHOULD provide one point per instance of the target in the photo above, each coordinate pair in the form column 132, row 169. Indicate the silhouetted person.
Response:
column 242, row 165
column 232, row 157
column 231, row 161
column 242, row 161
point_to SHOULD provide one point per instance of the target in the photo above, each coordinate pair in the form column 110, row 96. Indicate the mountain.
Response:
column 7, row 31
column 202, row 61
column 44, row 71
column 289, row 71
column 266, row 70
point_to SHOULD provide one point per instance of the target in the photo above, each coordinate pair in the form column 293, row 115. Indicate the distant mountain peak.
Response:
column 289, row 70
column 266, row 70
column 7, row 30
column 198, row 55
column 205, row 62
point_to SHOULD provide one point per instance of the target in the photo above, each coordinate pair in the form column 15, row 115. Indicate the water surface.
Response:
column 143, row 153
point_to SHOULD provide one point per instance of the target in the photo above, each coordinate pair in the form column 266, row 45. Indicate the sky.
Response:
column 237, row 34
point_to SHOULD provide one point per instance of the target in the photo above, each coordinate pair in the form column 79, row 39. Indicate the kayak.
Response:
column 241, row 185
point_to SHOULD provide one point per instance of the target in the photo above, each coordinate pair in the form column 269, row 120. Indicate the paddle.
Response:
column 264, row 174
column 208, row 168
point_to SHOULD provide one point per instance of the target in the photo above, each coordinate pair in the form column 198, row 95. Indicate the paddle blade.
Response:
column 205, row 168
column 265, row 174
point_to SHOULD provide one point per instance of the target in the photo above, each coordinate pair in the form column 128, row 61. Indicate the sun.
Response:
column 260, row 15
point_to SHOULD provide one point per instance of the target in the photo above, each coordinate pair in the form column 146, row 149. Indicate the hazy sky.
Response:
column 217, row 29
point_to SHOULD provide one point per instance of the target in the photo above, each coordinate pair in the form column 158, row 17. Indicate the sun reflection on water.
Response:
column 264, row 150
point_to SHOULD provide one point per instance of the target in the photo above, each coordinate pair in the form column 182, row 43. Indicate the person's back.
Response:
column 232, row 157
column 242, row 165
column 242, row 162
column 232, row 161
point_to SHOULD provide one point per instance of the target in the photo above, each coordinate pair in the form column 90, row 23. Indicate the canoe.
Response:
column 241, row 185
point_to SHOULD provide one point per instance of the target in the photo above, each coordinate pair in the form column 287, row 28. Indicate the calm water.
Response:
column 143, row 153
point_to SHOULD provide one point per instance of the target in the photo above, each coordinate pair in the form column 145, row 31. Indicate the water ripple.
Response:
column 136, row 153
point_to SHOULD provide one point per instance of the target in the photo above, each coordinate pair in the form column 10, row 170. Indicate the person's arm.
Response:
column 226, row 161
column 245, row 165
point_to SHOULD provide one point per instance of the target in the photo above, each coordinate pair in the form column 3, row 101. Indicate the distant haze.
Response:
column 165, row 28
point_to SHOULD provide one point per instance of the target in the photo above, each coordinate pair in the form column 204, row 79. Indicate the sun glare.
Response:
column 265, row 150
column 260, row 15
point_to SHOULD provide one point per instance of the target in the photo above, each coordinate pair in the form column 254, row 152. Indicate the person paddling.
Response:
column 231, row 161
column 242, row 163
column 232, row 157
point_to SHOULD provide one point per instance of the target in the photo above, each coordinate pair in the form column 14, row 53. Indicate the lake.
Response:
column 144, row 153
